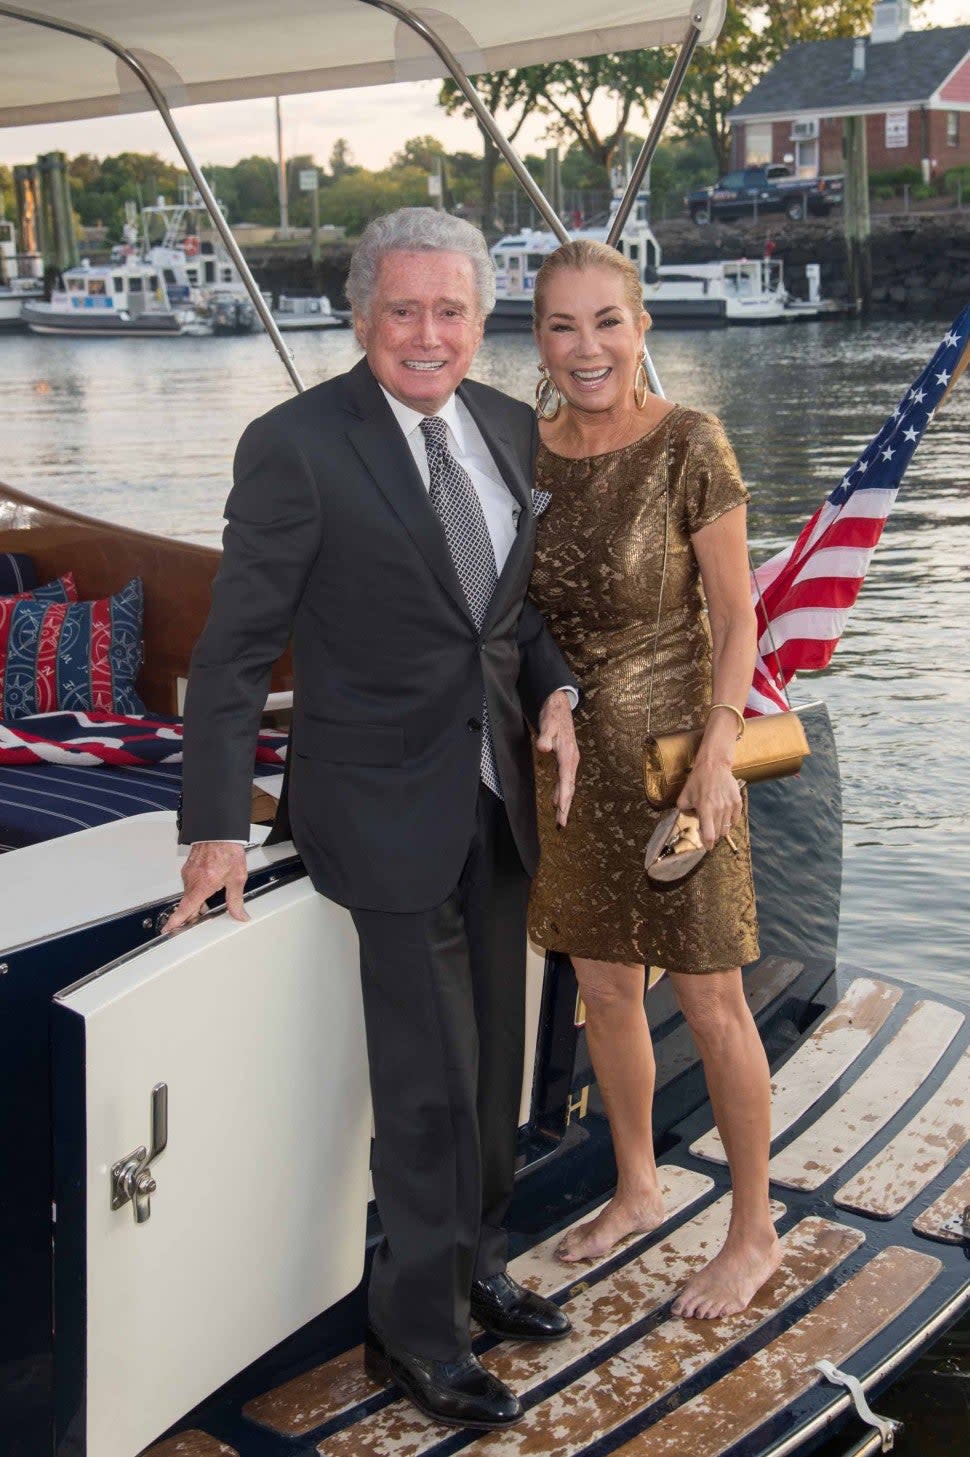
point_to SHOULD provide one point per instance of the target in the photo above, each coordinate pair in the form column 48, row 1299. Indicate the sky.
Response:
column 375, row 120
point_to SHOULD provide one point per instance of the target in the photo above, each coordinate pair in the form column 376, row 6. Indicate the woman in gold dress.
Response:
column 622, row 472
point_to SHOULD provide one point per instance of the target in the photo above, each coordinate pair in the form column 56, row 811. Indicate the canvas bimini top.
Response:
column 227, row 50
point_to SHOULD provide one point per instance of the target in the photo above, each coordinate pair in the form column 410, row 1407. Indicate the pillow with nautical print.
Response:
column 62, row 589
column 71, row 655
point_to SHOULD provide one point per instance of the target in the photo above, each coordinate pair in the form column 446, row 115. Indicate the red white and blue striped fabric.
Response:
column 804, row 594
column 91, row 738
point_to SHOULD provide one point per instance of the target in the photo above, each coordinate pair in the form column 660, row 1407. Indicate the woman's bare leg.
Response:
column 739, row 1087
column 622, row 1056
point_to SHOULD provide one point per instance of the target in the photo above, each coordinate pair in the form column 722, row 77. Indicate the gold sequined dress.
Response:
column 599, row 554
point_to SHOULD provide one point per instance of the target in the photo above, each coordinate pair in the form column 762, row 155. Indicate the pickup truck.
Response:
column 754, row 190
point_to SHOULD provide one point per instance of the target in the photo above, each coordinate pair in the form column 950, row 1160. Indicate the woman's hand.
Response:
column 714, row 795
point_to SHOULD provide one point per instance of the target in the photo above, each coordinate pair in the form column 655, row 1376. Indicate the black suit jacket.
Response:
column 331, row 539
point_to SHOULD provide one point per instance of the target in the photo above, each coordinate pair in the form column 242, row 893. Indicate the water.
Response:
column 142, row 432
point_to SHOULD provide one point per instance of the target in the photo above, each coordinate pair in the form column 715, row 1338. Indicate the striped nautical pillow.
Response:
column 71, row 655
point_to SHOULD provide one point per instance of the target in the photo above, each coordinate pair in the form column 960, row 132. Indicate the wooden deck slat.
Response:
column 190, row 1444
column 834, row 1045
column 775, row 1377
column 951, row 1202
column 874, row 1098
column 599, row 1314
column 328, row 1390
column 606, row 1397
column 677, row 1051
column 917, row 1154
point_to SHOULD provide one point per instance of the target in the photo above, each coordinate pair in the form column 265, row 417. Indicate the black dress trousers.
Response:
column 444, row 1007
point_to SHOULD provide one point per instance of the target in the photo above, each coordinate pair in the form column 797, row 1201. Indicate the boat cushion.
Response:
column 61, row 772
column 72, row 655
column 17, row 573
column 42, row 801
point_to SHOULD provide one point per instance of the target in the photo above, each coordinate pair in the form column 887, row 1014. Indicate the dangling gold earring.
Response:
column 641, row 386
column 548, row 394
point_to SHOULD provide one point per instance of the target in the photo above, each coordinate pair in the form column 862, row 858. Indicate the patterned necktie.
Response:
column 454, row 498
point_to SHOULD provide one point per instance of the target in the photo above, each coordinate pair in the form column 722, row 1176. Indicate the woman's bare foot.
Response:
column 622, row 1217
column 731, row 1280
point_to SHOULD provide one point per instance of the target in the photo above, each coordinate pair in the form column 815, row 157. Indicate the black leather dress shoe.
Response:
column 508, row 1309
column 456, row 1393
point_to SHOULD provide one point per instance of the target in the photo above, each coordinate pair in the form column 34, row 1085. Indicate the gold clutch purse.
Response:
column 771, row 747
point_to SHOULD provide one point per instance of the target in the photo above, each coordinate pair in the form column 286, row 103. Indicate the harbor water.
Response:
column 143, row 431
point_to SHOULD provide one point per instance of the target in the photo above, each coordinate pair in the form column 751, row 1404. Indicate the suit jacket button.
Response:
column 474, row 725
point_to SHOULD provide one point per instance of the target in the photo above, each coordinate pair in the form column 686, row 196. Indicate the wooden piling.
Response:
column 855, row 214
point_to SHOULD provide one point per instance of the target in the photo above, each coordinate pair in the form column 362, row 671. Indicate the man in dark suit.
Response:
column 383, row 520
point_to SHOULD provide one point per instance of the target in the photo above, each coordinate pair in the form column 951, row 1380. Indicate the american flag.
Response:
column 804, row 594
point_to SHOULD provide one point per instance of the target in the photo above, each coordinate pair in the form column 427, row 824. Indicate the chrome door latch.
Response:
column 132, row 1180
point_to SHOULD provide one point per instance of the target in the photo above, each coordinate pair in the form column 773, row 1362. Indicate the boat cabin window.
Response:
column 210, row 272
column 119, row 283
column 134, row 285
column 153, row 282
column 168, row 275
column 633, row 253
column 192, row 274
column 514, row 263
column 227, row 275
column 97, row 286
column 75, row 285
column 535, row 262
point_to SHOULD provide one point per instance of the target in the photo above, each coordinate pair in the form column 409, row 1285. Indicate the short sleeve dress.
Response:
column 598, row 563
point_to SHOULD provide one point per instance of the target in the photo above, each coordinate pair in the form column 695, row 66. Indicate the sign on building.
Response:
column 897, row 128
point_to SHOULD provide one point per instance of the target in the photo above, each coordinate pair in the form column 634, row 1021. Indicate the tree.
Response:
column 351, row 201
column 340, row 159
column 569, row 90
column 514, row 92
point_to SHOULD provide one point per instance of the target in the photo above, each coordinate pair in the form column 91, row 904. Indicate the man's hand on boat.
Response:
column 211, row 866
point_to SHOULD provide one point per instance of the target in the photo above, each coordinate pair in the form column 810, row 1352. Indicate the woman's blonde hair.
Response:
column 585, row 253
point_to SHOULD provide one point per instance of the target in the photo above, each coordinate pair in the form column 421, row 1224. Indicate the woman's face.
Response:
column 588, row 338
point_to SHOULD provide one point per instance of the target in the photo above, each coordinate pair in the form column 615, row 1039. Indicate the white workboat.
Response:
column 127, row 298
column 184, row 1122
column 21, row 279
column 310, row 311
column 518, row 257
column 725, row 291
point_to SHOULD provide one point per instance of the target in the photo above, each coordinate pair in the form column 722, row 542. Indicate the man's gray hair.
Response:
column 418, row 230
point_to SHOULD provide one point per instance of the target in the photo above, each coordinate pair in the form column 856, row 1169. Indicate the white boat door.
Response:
column 238, row 1051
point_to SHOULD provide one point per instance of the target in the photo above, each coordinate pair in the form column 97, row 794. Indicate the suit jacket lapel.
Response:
column 378, row 441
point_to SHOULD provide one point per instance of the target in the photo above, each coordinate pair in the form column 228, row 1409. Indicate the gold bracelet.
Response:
column 737, row 714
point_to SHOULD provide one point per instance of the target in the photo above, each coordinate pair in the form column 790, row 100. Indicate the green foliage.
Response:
column 356, row 197
column 6, row 191
column 957, row 176
column 341, row 159
column 895, row 177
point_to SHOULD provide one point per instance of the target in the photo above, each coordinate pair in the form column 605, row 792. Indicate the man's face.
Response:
column 423, row 327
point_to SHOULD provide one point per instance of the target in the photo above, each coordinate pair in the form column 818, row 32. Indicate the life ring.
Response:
column 191, row 246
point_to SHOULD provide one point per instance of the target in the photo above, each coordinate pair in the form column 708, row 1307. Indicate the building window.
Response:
column 897, row 129
column 953, row 128
column 757, row 144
